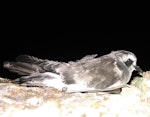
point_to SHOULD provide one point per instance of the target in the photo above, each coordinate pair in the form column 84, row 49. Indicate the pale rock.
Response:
column 19, row 101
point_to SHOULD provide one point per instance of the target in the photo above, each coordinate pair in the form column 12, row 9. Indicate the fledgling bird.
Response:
column 91, row 73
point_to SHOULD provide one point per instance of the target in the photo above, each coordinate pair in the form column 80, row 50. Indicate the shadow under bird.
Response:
column 91, row 73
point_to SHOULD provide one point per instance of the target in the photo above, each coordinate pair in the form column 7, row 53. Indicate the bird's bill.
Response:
column 137, row 68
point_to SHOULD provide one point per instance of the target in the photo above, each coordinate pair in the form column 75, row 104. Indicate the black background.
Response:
column 70, row 46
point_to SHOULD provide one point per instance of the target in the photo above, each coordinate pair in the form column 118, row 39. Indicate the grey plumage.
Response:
column 91, row 73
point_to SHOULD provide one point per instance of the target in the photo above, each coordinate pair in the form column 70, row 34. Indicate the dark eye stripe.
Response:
column 129, row 62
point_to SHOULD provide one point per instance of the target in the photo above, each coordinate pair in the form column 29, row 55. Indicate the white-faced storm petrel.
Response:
column 91, row 73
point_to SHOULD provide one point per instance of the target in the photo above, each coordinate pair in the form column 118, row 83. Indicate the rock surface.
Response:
column 19, row 101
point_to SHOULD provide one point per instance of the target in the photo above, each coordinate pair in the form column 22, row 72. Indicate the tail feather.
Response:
column 29, row 59
column 27, row 65
column 22, row 68
column 44, row 64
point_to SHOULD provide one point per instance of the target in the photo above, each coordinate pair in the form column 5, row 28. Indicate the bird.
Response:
column 105, row 73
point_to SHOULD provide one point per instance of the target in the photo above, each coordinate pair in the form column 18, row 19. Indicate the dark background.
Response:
column 69, row 46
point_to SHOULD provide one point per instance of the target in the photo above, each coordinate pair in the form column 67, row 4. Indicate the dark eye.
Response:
column 129, row 62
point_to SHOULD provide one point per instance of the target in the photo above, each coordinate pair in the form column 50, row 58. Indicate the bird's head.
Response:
column 128, row 58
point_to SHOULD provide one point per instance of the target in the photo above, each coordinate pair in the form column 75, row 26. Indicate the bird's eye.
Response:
column 129, row 62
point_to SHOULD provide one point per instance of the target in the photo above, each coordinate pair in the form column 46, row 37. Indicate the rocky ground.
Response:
column 133, row 101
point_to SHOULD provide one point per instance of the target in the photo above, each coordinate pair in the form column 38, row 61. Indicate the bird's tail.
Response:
column 27, row 65
column 21, row 68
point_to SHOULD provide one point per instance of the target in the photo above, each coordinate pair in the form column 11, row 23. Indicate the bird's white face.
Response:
column 132, row 61
column 128, row 58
